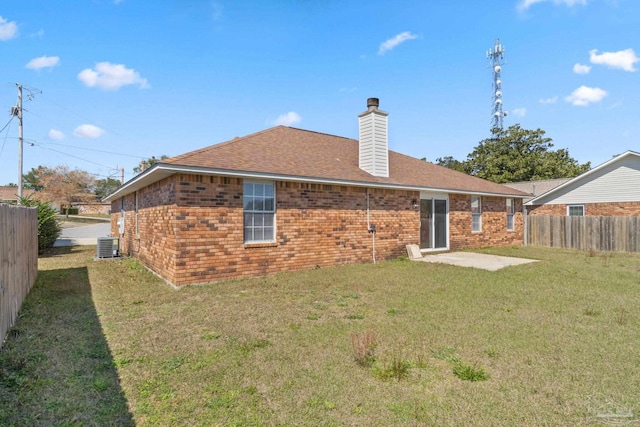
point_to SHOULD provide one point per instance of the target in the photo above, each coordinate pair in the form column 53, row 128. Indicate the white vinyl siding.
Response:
column 259, row 203
column 374, row 143
column 476, row 213
column 617, row 182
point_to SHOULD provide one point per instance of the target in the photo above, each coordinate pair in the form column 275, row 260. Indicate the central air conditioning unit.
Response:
column 107, row 247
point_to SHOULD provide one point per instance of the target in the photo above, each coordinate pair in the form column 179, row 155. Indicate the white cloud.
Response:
column 43, row 62
column 622, row 59
column 519, row 112
column 581, row 69
column 550, row 100
column 38, row 34
column 88, row 131
column 395, row 41
column 585, row 95
column 106, row 75
column 526, row 4
column 288, row 119
column 55, row 134
column 8, row 30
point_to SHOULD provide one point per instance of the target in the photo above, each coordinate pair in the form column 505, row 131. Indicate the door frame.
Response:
column 424, row 195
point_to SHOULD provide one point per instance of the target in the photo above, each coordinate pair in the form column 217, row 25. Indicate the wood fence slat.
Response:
column 600, row 233
column 18, row 261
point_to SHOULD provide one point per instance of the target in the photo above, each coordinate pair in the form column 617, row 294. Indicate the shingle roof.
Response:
column 287, row 151
column 11, row 193
column 537, row 188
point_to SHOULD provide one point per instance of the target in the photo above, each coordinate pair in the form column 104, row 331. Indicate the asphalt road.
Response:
column 76, row 234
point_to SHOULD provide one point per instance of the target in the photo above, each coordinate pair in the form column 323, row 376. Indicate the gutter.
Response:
column 170, row 170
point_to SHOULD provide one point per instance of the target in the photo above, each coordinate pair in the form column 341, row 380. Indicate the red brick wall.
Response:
column 590, row 209
column 191, row 228
column 494, row 223
column 156, row 247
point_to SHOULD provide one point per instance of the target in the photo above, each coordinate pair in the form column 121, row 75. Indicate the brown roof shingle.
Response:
column 10, row 194
column 289, row 151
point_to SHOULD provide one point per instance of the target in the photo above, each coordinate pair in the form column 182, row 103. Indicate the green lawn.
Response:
column 549, row 343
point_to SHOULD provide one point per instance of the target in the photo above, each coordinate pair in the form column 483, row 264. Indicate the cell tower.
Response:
column 496, row 59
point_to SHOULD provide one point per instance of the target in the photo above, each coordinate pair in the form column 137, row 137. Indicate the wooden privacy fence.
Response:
column 600, row 233
column 18, row 261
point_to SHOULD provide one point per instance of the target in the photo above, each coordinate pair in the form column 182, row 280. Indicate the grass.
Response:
column 108, row 343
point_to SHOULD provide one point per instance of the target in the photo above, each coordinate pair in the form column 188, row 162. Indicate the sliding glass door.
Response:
column 433, row 224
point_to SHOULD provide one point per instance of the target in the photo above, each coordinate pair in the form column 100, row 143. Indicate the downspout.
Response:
column 371, row 228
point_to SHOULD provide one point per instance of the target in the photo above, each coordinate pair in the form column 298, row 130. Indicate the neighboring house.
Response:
column 611, row 189
column 536, row 188
column 10, row 194
column 288, row 199
column 85, row 208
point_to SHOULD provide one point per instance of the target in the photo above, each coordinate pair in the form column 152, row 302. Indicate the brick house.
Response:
column 10, row 194
column 611, row 189
column 288, row 199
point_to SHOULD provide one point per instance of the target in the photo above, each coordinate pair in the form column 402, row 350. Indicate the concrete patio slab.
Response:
column 475, row 260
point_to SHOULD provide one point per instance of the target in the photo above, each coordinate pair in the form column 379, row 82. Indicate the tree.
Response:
column 516, row 154
column 149, row 162
column 31, row 180
column 65, row 186
column 451, row 163
column 104, row 187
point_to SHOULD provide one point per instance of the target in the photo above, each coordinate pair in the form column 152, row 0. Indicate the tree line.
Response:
column 64, row 186
column 516, row 154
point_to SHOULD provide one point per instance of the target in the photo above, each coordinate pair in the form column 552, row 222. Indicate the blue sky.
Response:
column 122, row 80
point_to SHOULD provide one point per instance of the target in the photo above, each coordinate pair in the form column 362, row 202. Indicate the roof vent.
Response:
column 373, row 102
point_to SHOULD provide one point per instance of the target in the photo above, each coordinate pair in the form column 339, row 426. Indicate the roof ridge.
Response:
column 319, row 133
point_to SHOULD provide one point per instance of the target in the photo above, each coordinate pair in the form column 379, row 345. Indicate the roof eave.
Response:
column 162, row 170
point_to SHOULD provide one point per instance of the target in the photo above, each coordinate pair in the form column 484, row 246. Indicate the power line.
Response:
column 5, row 126
column 75, row 157
column 93, row 149
column 6, row 135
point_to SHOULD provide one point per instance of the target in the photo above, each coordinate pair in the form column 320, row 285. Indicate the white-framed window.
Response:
column 510, row 213
column 259, row 201
column 575, row 210
column 476, row 213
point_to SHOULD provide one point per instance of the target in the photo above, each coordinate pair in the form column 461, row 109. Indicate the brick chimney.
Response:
column 374, row 140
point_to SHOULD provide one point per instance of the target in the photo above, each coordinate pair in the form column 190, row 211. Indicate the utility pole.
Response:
column 17, row 111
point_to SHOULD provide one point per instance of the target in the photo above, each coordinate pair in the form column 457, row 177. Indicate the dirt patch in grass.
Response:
column 555, row 341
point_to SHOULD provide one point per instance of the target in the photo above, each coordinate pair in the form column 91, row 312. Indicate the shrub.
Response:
column 69, row 211
column 48, row 226
column 398, row 369
column 469, row 373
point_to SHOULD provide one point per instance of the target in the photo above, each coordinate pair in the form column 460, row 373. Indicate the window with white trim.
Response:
column 259, row 203
column 476, row 213
column 510, row 214
column 575, row 210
